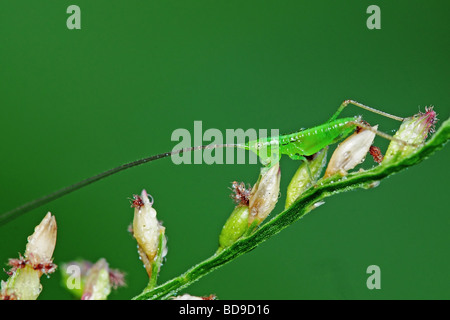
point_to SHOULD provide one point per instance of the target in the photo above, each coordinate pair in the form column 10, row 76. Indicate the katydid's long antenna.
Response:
column 10, row 215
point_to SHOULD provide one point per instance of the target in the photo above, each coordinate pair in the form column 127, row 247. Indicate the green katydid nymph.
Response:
column 307, row 142
column 298, row 146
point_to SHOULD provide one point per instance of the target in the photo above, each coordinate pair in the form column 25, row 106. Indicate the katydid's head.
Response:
column 356, row 123
column 362, row 122
column 359, row 119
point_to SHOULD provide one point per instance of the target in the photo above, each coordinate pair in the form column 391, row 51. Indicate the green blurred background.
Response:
column 77, row 102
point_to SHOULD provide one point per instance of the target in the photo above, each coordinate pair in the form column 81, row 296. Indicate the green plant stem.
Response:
column 298, row 209
column 156, row 265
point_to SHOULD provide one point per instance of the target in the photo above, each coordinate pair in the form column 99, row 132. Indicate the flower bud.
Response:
column 42, row 242
column 24, row 281
column 236, row 224
column 88, row 281
column 73, row 276
column 302, row 177
column 413, row 131
column 234, row 228
column 23, row 284
column 351, row 152
column 148, row 232
column 264, row 195
column 97, row 285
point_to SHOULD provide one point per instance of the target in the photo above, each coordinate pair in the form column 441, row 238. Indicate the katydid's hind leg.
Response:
column 339, row 110
column 362, row 106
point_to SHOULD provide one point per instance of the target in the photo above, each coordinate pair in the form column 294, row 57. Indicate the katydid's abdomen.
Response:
column 306, row 142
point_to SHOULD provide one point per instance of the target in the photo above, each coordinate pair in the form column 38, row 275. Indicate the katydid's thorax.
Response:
column 308, row 141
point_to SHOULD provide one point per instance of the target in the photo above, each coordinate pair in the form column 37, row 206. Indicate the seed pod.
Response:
column 302, row 177
column 264, row 195
column 414, row 131
column 351, row 152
